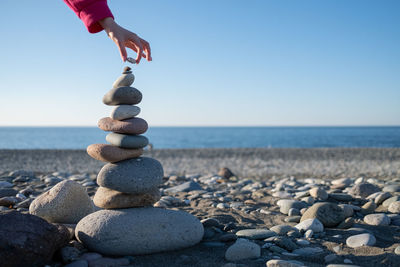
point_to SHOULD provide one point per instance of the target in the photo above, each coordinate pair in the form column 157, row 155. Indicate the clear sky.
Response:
column 216, row 63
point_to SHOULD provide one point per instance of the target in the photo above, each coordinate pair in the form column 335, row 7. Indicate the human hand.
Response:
column 124, row 38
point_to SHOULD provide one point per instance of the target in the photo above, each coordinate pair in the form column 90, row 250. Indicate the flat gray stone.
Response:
column 7, row 192
column 138, row 231
column 122, row 96
column 360, row 240
column 283, row 263
column 4, row 184
column 127, row 141
column 255, row 233
column 123, row 112
column 341, row 196
column 391, row 188
column 131, row 176
column 282, row 229
column 185, row 187
column 307, row 251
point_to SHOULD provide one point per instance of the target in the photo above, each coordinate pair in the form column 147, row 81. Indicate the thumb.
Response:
column 122, row 50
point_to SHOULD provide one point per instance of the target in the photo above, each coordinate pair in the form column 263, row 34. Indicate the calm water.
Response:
column 206, row 137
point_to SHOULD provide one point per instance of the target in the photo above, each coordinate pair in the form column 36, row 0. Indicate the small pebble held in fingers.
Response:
column 129, row 126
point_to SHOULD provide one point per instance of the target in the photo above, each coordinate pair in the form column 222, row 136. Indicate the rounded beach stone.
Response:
column 110, row 199
column 318, row 193
column 364, row 189
column 131, row 176
column 394, row 207
column 286, row 204
column 368, row 208
column 66, row 202
column 377, row 219
column 125, row 79
column 390, row 200
column 127, row 141
column 122, row 96
column 242, row 249
column 360, row 240
column 138, row 231
column 109, row 153
column 328, row 213
column 313, row 224
column 129, row 126
column 123, row 112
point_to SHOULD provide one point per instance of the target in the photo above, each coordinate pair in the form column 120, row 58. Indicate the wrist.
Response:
column 107, row 23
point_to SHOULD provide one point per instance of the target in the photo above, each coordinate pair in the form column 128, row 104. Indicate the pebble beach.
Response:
column 271, row 207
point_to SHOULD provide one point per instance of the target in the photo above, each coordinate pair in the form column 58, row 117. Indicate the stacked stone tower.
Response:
column 128, row 223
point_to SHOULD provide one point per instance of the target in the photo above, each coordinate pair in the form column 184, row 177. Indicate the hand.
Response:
column 124, row 38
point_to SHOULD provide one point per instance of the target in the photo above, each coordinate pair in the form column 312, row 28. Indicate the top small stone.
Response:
column 127, row 70
column 126, row 79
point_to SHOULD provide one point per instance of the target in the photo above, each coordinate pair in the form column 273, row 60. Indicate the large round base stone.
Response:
column 138, row 231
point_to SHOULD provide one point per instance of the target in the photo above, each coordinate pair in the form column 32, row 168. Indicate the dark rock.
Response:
column 27, row 240
column 225, row 173
column 7, row 192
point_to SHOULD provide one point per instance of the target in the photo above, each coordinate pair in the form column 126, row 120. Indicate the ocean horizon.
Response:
column 161, row 137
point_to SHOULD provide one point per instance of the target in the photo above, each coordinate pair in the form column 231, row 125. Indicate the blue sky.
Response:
column 216, row 63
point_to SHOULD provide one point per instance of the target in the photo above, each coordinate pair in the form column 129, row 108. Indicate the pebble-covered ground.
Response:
column 244, row 162
column 282, row 207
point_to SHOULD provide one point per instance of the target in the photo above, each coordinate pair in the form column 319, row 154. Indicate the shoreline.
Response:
column 245, row 162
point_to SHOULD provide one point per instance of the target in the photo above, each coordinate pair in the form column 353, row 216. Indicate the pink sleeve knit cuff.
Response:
column 91, row 14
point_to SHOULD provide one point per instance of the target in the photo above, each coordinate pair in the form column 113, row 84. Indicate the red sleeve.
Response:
column 90, row 12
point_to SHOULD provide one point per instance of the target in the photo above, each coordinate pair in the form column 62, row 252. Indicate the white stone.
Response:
column 394, row 207
column 282, row 263
column 123, row 112
column 311, row 224
column 242, row 249
column 138, row 231
column 66, row 202
column 360, row 240
column 380, row 219
column 286, row 204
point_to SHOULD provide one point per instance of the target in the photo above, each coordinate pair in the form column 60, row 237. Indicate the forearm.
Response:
column 91, row 12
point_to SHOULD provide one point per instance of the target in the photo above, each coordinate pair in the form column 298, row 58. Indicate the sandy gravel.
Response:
column 330, row 162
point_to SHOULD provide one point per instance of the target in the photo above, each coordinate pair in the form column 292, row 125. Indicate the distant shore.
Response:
column 258, row 162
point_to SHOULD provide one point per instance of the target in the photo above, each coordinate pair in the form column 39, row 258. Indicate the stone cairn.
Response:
column 127, row 223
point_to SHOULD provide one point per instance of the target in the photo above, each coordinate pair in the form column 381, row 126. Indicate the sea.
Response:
column 206, row 137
